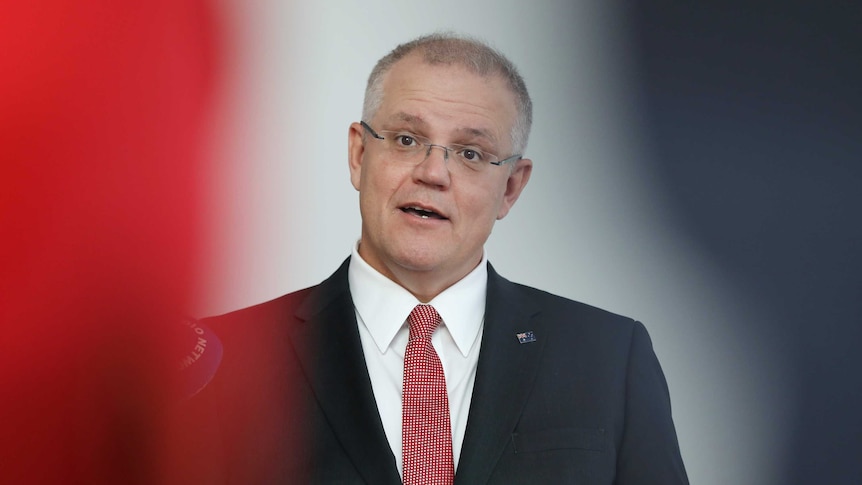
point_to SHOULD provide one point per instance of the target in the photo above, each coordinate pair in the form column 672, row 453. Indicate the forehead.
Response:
column 447, row 97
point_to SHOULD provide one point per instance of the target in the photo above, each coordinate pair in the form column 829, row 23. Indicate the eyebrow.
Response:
column 416, row 120
column 478, row 133
column 410, row 119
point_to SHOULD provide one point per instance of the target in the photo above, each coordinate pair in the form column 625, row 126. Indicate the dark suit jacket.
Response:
column 585, row 403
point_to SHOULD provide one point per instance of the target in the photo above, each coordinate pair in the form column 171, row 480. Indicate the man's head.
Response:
column 478, row 58
column 426, row 214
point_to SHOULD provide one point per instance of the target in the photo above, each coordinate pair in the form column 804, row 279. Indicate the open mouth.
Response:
column 423, row 213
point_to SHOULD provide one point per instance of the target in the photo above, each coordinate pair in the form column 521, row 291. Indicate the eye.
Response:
column 405, row 140
column 471, row 155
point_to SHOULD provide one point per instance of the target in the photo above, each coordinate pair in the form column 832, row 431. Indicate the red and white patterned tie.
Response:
column 426, row 434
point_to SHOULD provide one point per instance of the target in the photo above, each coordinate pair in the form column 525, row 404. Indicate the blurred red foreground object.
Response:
column 102, row 111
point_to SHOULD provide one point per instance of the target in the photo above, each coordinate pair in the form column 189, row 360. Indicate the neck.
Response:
column 425, row 285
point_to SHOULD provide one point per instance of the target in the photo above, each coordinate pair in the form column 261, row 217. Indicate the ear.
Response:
column 355, row 151
column 518, row 178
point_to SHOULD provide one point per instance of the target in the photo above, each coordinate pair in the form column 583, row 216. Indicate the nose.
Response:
column 431, row 171
column 445, row 151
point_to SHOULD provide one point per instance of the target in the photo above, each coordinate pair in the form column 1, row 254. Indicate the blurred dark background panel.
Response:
column 753, row 118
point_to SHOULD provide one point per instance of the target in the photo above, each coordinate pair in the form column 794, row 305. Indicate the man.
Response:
column 507, row 384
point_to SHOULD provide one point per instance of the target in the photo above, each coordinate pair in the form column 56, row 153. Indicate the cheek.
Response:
column 377, row 189
column 491, row 199
column 480, row 210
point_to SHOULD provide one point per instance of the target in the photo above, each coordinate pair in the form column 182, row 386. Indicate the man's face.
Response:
column 448, row 105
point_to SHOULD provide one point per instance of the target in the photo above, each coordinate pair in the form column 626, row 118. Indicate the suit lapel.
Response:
column 328, row 347
column 505, row 373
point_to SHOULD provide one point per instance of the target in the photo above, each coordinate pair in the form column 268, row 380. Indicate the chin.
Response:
column 419, row 263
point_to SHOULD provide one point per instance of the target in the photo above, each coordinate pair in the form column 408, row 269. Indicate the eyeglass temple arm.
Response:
column 508, row 160
column 370, row 130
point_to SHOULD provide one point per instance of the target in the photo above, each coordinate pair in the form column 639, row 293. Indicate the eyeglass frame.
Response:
column 446, row 149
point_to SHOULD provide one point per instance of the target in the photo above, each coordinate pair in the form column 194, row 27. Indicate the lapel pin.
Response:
column 526, row 337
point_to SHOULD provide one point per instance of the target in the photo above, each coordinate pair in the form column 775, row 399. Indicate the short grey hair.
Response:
column 475, row 55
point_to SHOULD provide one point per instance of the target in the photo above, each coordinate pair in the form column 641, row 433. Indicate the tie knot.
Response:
column 423, row 320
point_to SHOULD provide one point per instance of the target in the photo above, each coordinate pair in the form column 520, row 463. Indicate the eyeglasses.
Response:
column 411, row 148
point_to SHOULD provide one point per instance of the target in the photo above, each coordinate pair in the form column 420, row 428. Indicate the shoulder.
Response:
column 254, row 338
column 258, row 321
column 283, row 312
column 550, row 302
column 276, row 309
column 564, row 314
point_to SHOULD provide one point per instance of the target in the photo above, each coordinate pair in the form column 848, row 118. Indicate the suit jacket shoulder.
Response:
column 583, row 400
column 294, row 400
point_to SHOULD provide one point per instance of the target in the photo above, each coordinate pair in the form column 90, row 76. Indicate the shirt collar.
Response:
column 384, row 306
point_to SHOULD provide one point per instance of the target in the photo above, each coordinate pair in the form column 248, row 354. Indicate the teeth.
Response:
column 419, row 211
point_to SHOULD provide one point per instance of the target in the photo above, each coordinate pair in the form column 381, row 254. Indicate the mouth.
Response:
column 422, row 212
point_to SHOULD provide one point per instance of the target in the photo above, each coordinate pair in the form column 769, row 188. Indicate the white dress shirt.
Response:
column 382, row 308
